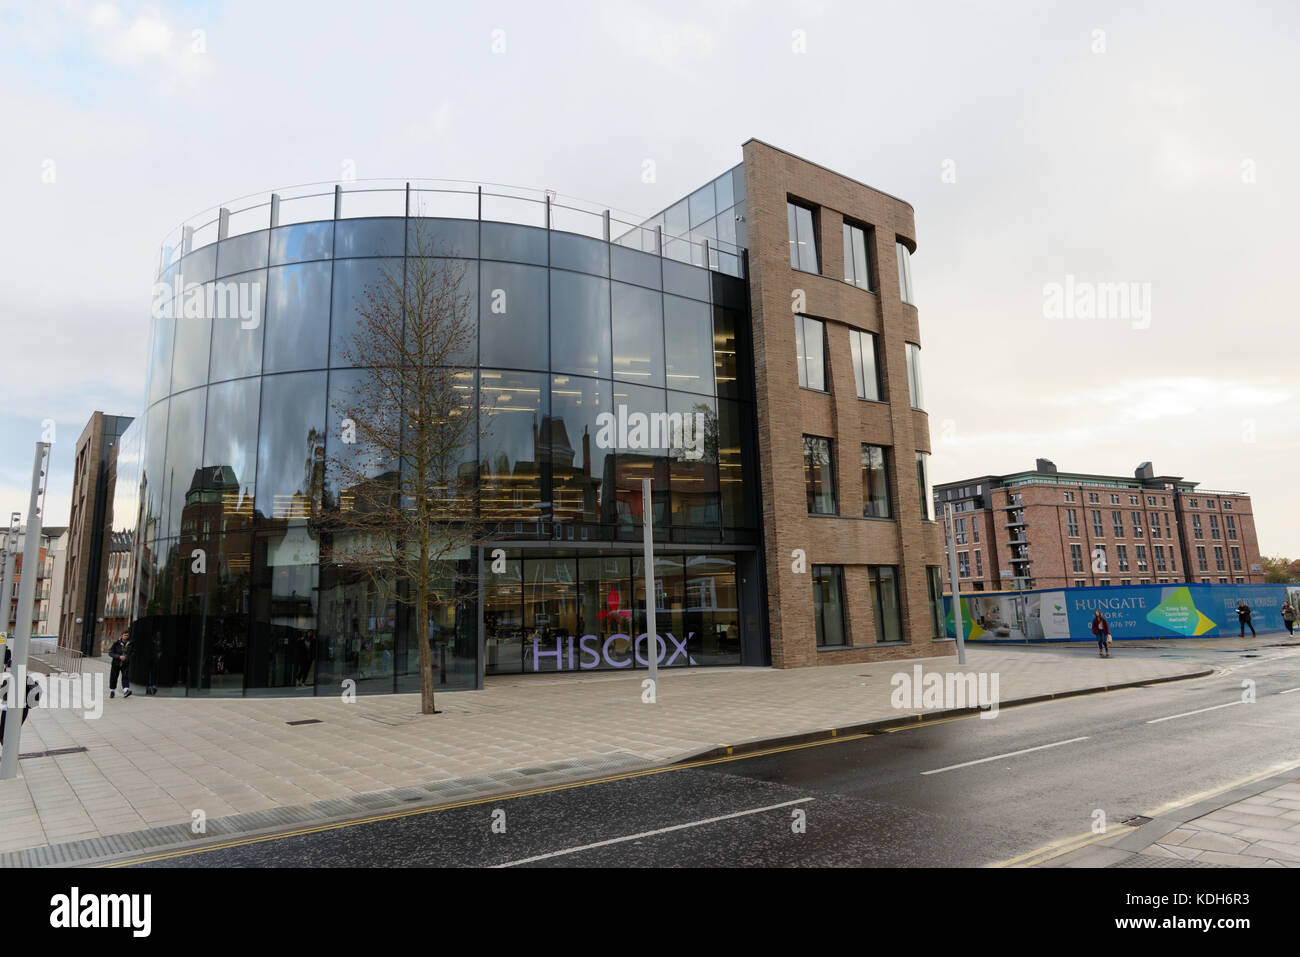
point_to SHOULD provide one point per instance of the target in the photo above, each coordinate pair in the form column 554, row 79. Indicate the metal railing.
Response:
column 59, row 658
column 450, row 199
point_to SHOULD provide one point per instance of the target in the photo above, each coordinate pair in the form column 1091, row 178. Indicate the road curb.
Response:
column 754, row 745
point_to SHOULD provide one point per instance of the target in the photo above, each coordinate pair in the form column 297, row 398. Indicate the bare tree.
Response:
column 406, row 505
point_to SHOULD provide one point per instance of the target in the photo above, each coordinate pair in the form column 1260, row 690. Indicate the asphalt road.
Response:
column 958, row 792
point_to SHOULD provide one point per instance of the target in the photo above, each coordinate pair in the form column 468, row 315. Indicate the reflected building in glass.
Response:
column 245, row 581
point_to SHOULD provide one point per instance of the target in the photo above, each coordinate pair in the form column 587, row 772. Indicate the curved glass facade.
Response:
column 241, row 590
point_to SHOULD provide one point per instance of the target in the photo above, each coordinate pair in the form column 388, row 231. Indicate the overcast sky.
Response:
column 1154, row 144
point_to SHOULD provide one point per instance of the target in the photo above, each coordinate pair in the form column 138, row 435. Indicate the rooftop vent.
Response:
column 1044, row 465
column 1144, row 471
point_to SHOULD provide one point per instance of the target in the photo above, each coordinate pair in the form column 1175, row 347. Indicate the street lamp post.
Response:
column 23, row 626
column 952, row 575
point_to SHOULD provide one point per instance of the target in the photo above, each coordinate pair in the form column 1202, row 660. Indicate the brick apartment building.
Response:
column 49, row 580
column 1051, row 529
column 90, row 539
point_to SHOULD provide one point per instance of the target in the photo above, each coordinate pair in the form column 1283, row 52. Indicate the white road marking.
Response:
column 662, row 830
column 1289, row 690
column 1189, row 713
column 1010, row 754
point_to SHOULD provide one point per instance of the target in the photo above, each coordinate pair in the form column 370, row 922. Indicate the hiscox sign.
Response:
column 591, row 652
column 646, row 431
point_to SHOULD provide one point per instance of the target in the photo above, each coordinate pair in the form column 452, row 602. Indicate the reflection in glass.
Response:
column 184, row 455
column 520, row 244
column 160, row 350
column 513, row 316
column 642, row 453
column 828, row 605
column 242, row 253
column 578, row 253
column 693, row 466
column 688, row 336
column 238, row 327
column 384, row 236
column 579, row 465
column 302, row 242
column 355, row 282
column 230, row 450
column 297, row 317
column 283, row 645
column 875, row 483
column 291, row 446
column 638, row 335
column 193, row 339
column 515, row 408
column 580, row 332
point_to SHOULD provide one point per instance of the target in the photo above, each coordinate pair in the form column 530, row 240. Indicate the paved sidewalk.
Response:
column 150, row 762
column 1250, row 825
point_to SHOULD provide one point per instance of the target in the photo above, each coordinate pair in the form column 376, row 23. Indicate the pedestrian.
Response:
column 31, row 695
column 121, row 655
column 1288, row 617
column 1243, row 616
column 1101, row 631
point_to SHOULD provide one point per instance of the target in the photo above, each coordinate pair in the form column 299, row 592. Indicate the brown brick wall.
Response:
column 785, row 413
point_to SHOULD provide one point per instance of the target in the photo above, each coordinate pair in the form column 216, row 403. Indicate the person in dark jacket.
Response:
column 1288, row 616
column 1243, row 616
column 121, row 655
column 1101, row 631
column 32, row 694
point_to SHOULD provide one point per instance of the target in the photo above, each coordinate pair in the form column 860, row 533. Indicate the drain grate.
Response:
column 51, row 754
column 1137, row 821
column 305, row 721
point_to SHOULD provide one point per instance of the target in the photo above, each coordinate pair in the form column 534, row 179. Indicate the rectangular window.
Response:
column 959, row 530
column 1168, row 533
column 1132, row 499
column 1114, row 500
column 1160, row 559
column 1093, row 499
column 1137, row 524
column 1214, row 527
column 1230, row 523
column 1097, row 529
column 857, row 256
column 1227, row 504
column 905, row 273
column 914, row 392
column 810, row 351
column 1121, row 556
column 1080, row 583
column 1126, row 581
column 1099, row 560
column 1069, row 496
column 1218, row 558
column 1151, row 500
column 828, row 605
column 1197, row 532
column 1236, row 558
column 1209, row 503
column 936, row 600
column 1191, row 503
column 1117, row 519
column 1076, row 557
column 923, row 483
column 803, row 242
column 884, row 602
column 963, row 564
column 1142, row 558
column 979, row 564
column 1072, row 522
column 875, row 483
column 866, row 364
column 1200, row 558
column 975, row 530
column 819, row 475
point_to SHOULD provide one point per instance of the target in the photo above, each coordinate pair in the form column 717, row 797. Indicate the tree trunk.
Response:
column 426, row 654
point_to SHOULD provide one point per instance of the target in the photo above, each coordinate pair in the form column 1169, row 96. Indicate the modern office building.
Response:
column 774, row 303
column 1050, row 529
column 90, row 540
